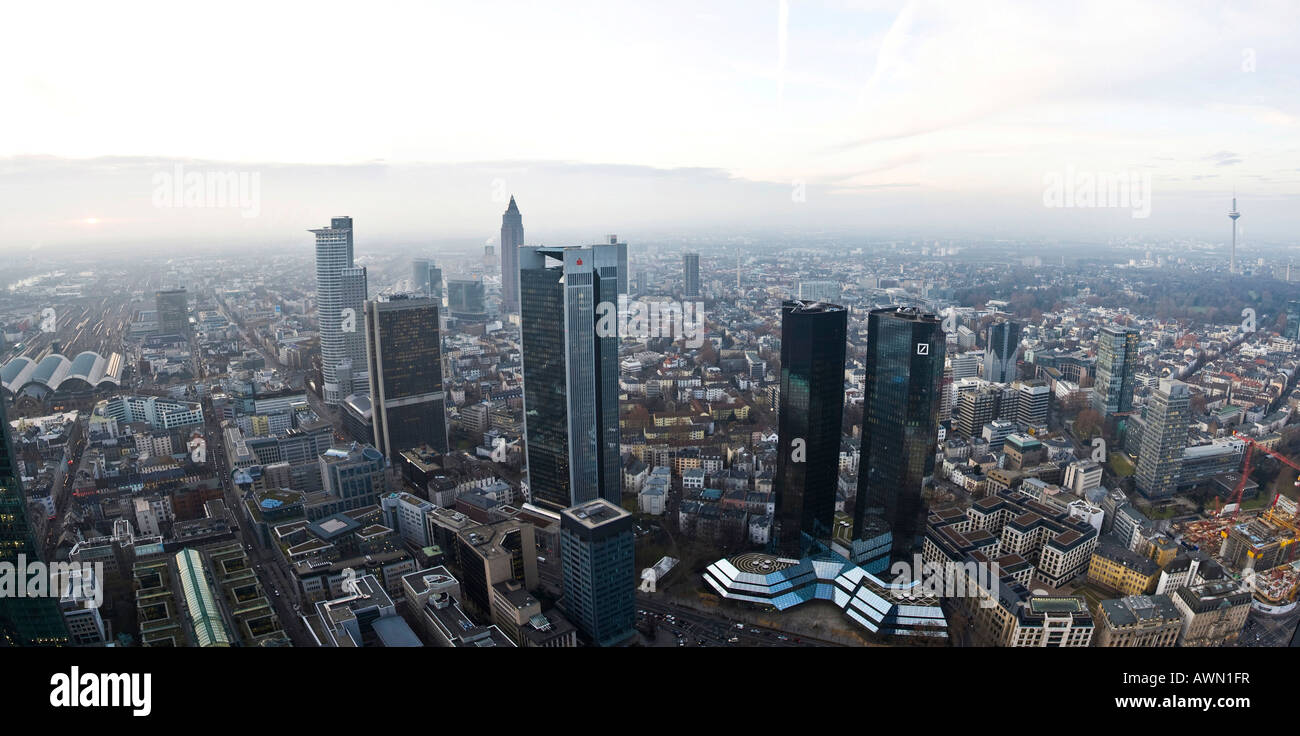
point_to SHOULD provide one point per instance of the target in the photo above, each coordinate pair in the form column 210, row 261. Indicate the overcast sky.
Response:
column 942, row 118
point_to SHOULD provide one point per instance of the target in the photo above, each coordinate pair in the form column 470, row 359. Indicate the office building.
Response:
column 1160, row 459
column 809, row 423
column 353, row 478
column 80, row 610
column 24, row 621
column 340, row 300
column 691, row 265
column 1117, row 354
column 426, row 279
column 1032, row 402
column 466, row 300
column 570, row 373
column 1119, row 568
column 1292, row 329
column 1138, row 621
column 1002, row 352
column 819, row 291
column 904, row 370
column 597, row 553
column 1213, row 613
column 976, row 409
column 512, row 237
column 173, row 312
column 879, row 604
column 404, row 363
column 1082, row 476
column 498, row 563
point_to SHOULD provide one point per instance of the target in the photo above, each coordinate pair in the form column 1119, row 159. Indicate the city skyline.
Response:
column 888, row 324
column 869, row 115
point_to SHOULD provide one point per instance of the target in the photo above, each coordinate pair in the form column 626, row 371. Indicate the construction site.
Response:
column 1260, row 546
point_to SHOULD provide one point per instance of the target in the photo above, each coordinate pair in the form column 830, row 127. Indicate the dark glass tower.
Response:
column 1292, row 329
column 570, row 372
column 512, row 236
column 466, row 300
column 427, row 278
column 404, row 360
column 23, row 621
column 598, row 562
column 691, row 263
column 904, row 370
column 173, row 312
column 1117, row 355
column 1003, row 347
column 809, row 423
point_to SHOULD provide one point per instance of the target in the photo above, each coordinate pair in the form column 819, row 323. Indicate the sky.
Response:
column 419, row 119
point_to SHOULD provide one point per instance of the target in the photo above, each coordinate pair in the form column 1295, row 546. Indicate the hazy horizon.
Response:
column 889, row 119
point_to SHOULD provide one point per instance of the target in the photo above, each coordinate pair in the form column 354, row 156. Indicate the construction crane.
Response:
column 1251, row 446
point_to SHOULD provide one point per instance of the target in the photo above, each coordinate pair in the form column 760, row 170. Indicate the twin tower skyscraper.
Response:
column 904, row 368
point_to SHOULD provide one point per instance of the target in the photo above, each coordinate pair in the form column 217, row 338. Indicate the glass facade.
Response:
column 691, row 264
column 809, row 423
column 24, row 621
column 570, row 374
column 904, row 371
column 599, row 568
column 1117, row 349
column 1002, row 349
column 404, row 356
column 466, row 300
column 173, row 312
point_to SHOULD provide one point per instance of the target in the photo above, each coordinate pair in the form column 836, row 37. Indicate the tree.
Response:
column 1088, row 424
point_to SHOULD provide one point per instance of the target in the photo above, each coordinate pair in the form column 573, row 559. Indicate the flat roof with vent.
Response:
column 595, row 513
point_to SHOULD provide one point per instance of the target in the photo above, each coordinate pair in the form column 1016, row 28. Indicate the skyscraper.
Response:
column 24, row 621
column 691, row 263
column 404, row 363
column 1160, row 457
column 820, row 291
column 904, row 371
column 1292, row 329
column 340, row 300
column 512, row 237
column 1002, row 351
column 598, row 564
column 1117, row 352
column 466, row 300
column 173, row 312
column 426, row 278
column 570, row 373
column 809, row 423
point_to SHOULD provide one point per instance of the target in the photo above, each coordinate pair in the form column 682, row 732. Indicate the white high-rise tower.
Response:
column 1233, row 214
column 340, row 302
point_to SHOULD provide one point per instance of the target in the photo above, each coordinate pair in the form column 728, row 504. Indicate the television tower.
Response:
column 1233, row 214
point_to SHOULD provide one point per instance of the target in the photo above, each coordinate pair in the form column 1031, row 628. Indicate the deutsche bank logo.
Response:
column 923, row 348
